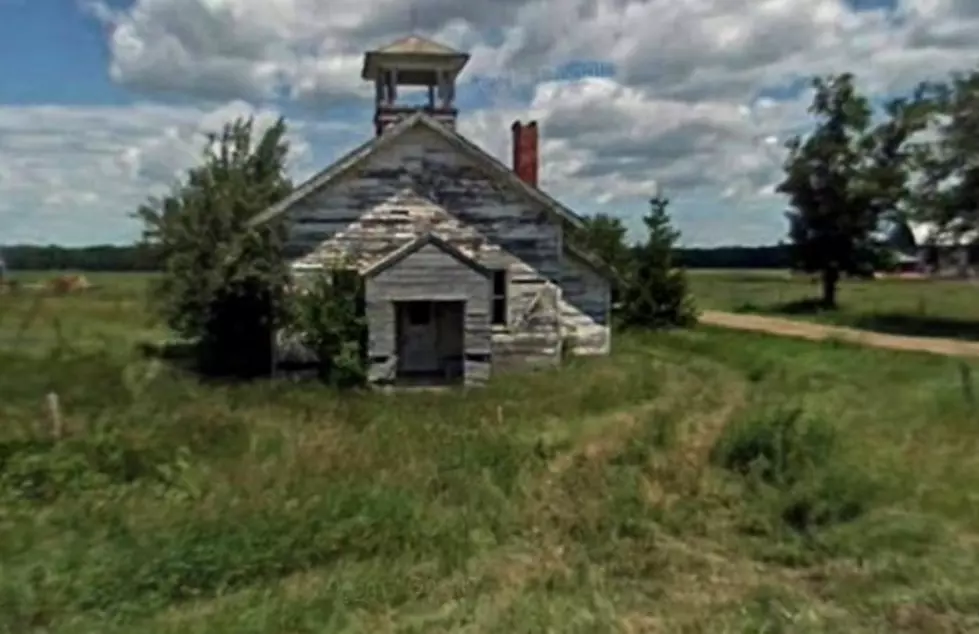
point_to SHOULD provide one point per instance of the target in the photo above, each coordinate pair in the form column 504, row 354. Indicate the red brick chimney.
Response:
column 525, row 154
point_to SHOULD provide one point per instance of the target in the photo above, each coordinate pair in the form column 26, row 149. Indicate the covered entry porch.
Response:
column 427, row 308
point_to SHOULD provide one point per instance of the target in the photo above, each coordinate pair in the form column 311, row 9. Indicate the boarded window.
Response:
column 499, row 298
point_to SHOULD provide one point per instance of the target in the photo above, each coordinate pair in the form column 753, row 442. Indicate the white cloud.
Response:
column 604, row 141
column 700, row 101
column 74, row 173
column 691, row 49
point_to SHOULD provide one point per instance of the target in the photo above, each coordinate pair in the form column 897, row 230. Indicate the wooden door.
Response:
column 418, row 341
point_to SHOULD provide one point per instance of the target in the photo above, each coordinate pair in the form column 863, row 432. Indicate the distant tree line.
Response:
column 735, row 257
column 136, row 258
column 106, row 257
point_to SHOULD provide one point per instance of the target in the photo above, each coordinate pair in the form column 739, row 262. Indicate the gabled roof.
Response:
column 414, row 246
column 490, row 166
column 407, row 215
column 955, row 233
column 417, row 45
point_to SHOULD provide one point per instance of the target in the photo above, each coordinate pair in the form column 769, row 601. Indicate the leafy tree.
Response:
column 843, row 179
column 948, row 165
column 223, row 282
column 604, row 235
column 656, row 293
column 328, row 317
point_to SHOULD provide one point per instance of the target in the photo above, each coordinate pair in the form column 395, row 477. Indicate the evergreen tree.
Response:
column 656, row 293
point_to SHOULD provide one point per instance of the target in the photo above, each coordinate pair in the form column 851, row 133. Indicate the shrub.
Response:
column 802, row 460
column 831, row 496
column 328, row 317
column 780, row 447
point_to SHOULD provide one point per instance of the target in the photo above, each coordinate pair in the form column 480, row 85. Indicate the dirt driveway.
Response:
column 817, row 332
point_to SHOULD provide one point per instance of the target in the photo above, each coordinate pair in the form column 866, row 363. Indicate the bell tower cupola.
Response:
column 413, row 62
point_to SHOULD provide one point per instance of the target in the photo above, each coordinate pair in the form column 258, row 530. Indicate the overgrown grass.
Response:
column 698, row 481
column 935, row 308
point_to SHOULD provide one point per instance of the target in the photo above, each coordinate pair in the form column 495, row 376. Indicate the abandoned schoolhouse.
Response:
column 466, row 263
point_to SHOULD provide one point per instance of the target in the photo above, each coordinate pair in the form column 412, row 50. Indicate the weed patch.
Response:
column 798, row 462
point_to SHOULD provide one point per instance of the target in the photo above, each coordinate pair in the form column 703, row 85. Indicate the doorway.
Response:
column 430, row 340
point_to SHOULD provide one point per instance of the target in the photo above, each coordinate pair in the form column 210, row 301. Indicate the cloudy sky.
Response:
column 104, row 102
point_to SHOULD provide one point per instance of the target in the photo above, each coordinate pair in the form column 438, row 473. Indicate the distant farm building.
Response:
column 930, row 249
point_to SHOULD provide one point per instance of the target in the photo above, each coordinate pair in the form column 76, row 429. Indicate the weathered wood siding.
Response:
column 533, row 337
column 423, row 184
column 585, row 308
column 428, row 274
column 422, row 163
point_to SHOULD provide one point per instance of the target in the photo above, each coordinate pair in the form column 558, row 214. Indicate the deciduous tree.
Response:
column 223, row 282
column 842, row 179
column 947, row 190
column 605, row 236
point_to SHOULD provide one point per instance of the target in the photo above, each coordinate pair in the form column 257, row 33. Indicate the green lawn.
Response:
column 699, row 481
column 943, row 308
column 111, row 317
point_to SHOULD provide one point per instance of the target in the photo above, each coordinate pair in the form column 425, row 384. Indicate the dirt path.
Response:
column 818, row 332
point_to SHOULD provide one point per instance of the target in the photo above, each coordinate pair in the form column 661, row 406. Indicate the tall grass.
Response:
column 167, row 490
column 692, row 482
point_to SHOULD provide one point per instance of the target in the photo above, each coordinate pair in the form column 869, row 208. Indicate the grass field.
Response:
column 940, row 308
column 699, row 481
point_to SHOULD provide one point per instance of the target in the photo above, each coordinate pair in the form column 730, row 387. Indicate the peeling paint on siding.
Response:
column 585, row 308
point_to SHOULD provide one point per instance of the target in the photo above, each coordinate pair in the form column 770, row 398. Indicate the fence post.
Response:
column 54, row 410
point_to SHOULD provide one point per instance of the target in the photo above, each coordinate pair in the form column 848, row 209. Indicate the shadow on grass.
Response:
column 893, row 323
column 169, row 351
column 918, row 326
column 178, row 355
column 809, row 306
column 797, row 307
column 183, row 356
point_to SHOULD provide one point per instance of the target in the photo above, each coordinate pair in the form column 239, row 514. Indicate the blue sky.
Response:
column 49, row 54
column 103, row 103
